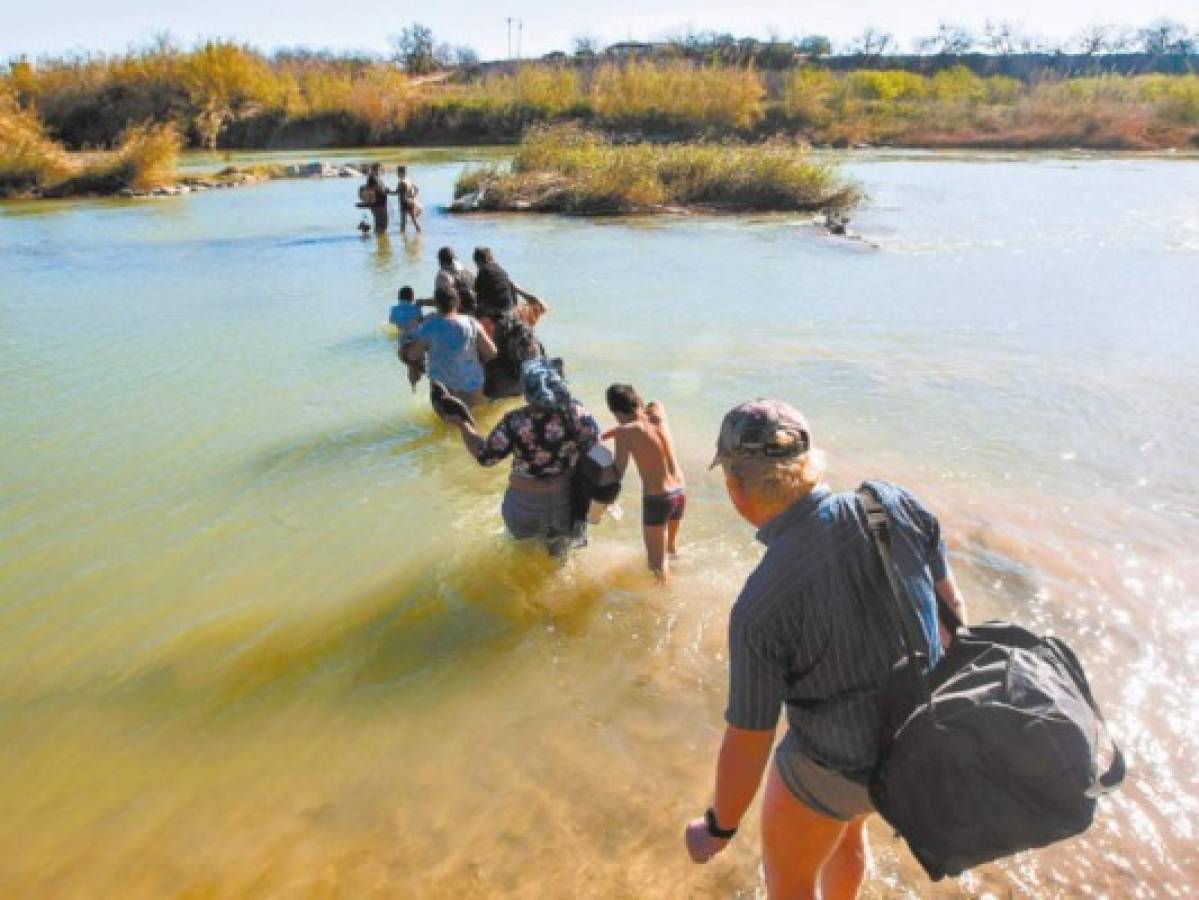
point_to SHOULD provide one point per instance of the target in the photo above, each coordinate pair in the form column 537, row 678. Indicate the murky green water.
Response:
column 261, row 634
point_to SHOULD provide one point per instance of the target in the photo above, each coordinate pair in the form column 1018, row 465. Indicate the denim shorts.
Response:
column 826, row 792
column 546, row 517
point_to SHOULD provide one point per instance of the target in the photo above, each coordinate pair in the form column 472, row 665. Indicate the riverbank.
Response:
column 567, row 169
column 225, row 95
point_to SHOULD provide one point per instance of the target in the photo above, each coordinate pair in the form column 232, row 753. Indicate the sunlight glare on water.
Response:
column 261, row 633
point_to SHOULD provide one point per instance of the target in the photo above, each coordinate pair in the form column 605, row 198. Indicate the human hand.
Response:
column 700, row 843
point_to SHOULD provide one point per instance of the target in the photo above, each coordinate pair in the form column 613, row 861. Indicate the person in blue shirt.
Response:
column 406, row 316
column 457, row 346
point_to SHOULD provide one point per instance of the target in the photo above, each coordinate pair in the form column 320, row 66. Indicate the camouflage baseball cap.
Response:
column 769, row 429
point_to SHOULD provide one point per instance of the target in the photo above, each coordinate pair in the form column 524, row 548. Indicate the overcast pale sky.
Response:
column 54, row 26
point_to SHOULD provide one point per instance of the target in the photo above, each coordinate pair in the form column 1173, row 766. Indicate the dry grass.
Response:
column 569, row 169
column 227, row 94
column 28, row 158
column 32, row 163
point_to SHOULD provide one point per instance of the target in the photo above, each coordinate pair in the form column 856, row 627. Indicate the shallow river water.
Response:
column 261, row 633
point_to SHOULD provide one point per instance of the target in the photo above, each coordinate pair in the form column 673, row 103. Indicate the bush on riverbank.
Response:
column 570, row 169
column 229, row 95
column 31, row 163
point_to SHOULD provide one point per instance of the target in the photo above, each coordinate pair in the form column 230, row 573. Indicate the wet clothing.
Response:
column 378, row 206
column 453, row 352
column 542, row 516
column 827, row 792
column 494, row 290
column 542, row 443
column 658, row 509
column 379, row 214
column 808, row 631
column 405, row 317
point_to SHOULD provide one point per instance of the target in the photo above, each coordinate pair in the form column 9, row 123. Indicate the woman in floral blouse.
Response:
column 545, row 439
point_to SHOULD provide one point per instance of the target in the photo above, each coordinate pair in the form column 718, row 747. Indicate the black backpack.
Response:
column 994, row 751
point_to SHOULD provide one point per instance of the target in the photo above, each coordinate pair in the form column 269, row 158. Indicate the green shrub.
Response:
column 570, row 169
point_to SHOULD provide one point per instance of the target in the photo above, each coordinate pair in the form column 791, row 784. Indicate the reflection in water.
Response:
column 261, row 632
column 382, row 255
column 413, row 248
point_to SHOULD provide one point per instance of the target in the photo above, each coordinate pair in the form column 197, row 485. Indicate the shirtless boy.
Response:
column 644, row 435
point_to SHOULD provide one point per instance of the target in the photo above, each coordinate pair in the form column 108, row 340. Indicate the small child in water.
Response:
column 405, row 316
column 644, row 435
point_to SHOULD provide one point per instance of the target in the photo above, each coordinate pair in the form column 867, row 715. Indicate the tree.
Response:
column 465, row 56
column 413, row 48
column 872, row 43
column 815, row 45
column 1165, row 37
column 586, row 45
column 1003, row 38
column 950, row 40
column 1095, row 40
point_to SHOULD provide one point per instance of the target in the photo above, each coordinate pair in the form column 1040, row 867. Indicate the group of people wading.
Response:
column 373, row 196
column 803, row 634
column 479, row 344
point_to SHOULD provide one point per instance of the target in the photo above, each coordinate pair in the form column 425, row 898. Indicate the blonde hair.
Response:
column 774, row 482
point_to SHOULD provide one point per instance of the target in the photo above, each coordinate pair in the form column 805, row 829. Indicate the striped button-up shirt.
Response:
column 809, row 629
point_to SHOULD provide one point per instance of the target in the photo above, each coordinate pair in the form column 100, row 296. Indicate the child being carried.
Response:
column 406, row 316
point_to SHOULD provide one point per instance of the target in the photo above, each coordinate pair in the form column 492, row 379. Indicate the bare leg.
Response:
column 672, row 536
column 416, row 221
column 796, row 842
column 403, row 219
column 655, row 548
column 842, row 874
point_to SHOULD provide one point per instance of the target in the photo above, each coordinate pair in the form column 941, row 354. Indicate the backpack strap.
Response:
column 911, row 630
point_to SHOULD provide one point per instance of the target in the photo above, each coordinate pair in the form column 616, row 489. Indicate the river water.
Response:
column 261, row 633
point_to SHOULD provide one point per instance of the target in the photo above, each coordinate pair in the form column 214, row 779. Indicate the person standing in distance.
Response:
column 410, row 207
column 374, row 197
column 809, row 633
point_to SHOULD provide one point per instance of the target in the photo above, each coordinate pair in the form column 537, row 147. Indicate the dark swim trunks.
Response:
column 658, row 509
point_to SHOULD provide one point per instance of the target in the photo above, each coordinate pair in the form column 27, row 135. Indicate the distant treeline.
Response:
column 223, row 94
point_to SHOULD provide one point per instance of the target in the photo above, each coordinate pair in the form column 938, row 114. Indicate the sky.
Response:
column 36, row 27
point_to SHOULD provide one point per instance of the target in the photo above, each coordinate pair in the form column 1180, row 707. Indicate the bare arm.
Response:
column 528, row 297
column 739, row 767
column 622, row 452
column 471, row 439
column 947, row 590
column 487, row 350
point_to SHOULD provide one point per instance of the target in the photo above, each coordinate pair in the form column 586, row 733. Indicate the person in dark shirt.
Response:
column 498, row 294
column 809, row 635
column 376, row 201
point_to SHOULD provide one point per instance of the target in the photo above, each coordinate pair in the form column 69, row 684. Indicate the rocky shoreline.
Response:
column 234, row 176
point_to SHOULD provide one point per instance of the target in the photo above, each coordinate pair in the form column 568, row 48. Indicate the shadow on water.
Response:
column 321, row 240
column 435, row 620
column 369, row 343
column 335, row 447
